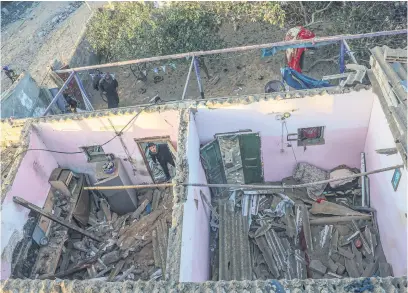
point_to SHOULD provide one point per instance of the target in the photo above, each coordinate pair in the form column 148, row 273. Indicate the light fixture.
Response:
column 286, row 115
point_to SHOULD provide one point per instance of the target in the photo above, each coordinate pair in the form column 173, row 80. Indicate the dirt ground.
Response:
column 33, row 40
column 231, row 74
column 33, row 36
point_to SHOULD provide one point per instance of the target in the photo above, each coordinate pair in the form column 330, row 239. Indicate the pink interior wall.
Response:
column 391, row 205
column 30, row 183
column 195, row 257
column 70, row 135
column 345, row 117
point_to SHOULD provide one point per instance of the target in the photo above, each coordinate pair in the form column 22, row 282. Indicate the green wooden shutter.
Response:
column 250, row 145
column 213, row 167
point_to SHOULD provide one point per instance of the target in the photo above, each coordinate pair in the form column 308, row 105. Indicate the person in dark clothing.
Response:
column 10, row 73
column 162, row 154
column 109, row 86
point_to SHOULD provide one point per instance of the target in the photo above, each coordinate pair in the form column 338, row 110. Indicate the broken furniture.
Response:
column 121, row 201
column 233, row 158
column 70, row 201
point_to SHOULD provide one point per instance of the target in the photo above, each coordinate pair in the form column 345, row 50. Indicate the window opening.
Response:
column 94, row 153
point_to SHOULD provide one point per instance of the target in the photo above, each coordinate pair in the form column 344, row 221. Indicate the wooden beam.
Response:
column 39, row 210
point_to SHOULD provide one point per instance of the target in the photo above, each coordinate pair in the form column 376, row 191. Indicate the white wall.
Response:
column 345, row 117
column 195, row 257
column 391, row 205
column 31, row 184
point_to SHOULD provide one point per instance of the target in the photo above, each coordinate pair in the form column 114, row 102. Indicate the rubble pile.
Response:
column 131, row 246
column 317, row 232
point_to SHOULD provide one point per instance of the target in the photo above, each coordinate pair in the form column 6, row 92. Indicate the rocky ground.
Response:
column 34, row 34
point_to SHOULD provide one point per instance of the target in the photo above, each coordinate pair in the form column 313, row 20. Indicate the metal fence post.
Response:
column 197, row 72
column 342, row 51
column 59, row 93
column 87, row 102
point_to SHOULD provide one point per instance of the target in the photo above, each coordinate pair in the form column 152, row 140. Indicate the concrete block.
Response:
column 385, row 269
column 340, row 268
column 332, row 265
column 345, row 253
column 371, row 269
column 351, row 268
column 317, row 266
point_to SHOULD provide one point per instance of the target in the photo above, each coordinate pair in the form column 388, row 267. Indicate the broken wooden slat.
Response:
column 329, row 208
column 156, row 199
column 64, row 223
column 337, row 219
column 140, row 209
column 106, row 210
column 306, row 228
column 116, row 271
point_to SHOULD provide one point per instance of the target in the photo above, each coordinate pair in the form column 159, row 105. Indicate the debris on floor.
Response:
column 130, row 247
column 318, row 232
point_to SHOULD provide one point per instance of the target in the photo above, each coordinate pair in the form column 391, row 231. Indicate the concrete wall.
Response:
column 30, row 183
column 70, row 135
column 195, row 257
column 23, row 99
column 345, row 117
column 391, row 205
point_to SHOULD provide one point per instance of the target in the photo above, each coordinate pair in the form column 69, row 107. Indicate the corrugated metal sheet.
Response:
column 234, row 252
column 389, row 284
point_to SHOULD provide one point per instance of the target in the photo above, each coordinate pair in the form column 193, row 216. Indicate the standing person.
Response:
column 161, row 153
column 109, row 86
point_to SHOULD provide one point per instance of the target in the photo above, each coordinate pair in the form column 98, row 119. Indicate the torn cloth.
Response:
column 306, row 173
column 299, row 81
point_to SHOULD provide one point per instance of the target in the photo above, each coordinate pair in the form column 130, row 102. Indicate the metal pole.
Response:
column 342, row 65
column 363, row 181
column 188, row 79
column 87, row 102
column 238, row 49
column 59, row 93
column 244, row 185
column 351, row 54
column 197, row 72
column 30, row 206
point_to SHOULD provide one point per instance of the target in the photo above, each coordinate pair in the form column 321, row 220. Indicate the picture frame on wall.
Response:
column 396, row 179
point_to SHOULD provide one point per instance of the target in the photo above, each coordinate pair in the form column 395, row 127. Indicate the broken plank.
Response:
column 125, row 274
column 329, row 208
column 385, row 270
column 64, row 223
column 351, row 268
column 106, row 210
column 345, row 253
column 156, row 199
column 116, row 271
column 337, row 219
column 306, row 228
column 140, row 209
column 371, row 269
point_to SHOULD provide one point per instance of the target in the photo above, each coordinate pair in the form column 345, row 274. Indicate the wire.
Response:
column 293, row 151
column 79, row 152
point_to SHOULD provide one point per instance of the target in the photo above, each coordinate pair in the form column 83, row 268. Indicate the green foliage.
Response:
column 352, row 17
column 137, row 29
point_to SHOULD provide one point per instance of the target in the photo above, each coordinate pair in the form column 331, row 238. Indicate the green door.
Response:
column 213, row 167
column 250, row 145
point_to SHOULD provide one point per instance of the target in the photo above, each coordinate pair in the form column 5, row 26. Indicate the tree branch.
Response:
column 317, row 11
column 303, row 11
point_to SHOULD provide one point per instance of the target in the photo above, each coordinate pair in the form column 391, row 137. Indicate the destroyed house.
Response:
column 242, row 209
